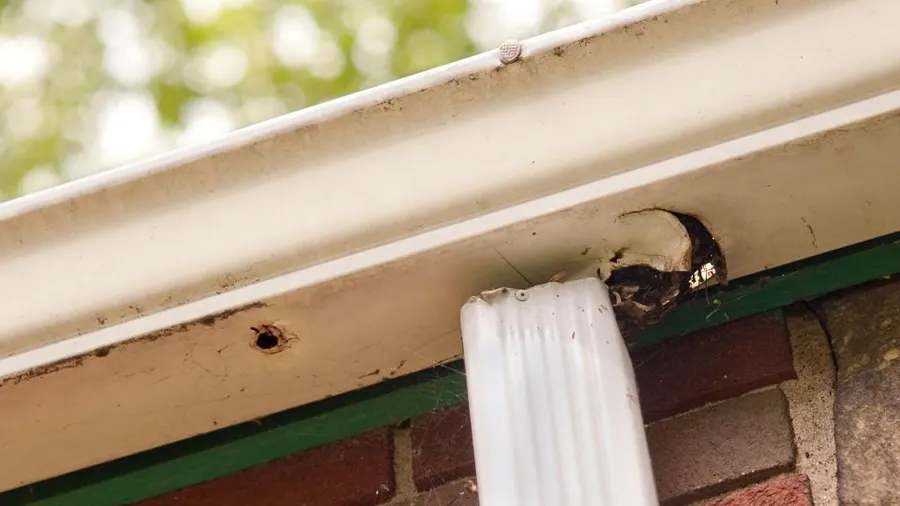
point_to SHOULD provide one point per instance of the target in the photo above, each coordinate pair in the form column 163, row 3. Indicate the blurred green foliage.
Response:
column 79, row 67
column 66, row 66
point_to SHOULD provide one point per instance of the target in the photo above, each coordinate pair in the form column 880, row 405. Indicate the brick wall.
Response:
column 721, row 407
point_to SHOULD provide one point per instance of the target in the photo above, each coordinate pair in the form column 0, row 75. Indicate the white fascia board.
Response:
column 360, row 226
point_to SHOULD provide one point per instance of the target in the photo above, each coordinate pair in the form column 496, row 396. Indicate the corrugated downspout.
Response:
column 554, row 406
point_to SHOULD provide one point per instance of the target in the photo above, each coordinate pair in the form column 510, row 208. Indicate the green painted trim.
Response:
column 777, row 288
column 223, row 452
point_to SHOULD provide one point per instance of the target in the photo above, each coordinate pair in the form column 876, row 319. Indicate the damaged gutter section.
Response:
column 622, row 93
column 405, row 312
column 136, row 323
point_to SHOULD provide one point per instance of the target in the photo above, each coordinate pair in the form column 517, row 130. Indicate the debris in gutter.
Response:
column 642, row 292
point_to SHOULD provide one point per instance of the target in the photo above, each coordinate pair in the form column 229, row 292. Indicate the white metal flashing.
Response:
column 357, row 228
column 554, row 404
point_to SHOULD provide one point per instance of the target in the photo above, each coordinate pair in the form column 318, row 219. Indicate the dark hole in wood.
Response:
column 641, row 295
column 266, row 340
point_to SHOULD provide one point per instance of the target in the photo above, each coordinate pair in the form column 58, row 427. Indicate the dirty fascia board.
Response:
column 233, row 449
column 759, row 160
column 230, row 450
column 740, row 303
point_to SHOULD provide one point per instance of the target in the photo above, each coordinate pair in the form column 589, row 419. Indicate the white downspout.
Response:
column 554, row 407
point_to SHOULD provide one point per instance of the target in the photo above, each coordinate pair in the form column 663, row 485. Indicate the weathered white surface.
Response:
column 371, row 228
column 555, row 414
column 339, row 178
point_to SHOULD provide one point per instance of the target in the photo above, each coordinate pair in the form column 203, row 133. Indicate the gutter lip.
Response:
column 332, row 109
column 409, row 246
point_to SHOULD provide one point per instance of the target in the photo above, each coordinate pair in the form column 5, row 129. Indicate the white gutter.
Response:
column 358, row 227
column 553, row 400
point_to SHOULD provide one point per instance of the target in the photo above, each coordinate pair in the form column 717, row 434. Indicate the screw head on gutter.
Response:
column 510, row 51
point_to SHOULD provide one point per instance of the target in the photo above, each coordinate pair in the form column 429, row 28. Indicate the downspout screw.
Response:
column 521, row 295
column 510, row 51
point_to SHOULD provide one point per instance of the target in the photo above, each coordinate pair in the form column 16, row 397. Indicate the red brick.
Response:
column 722, row 447
column 712, row 365
column 353, row 472
column 442, row 447
column 460, row 493
column 790, row 490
